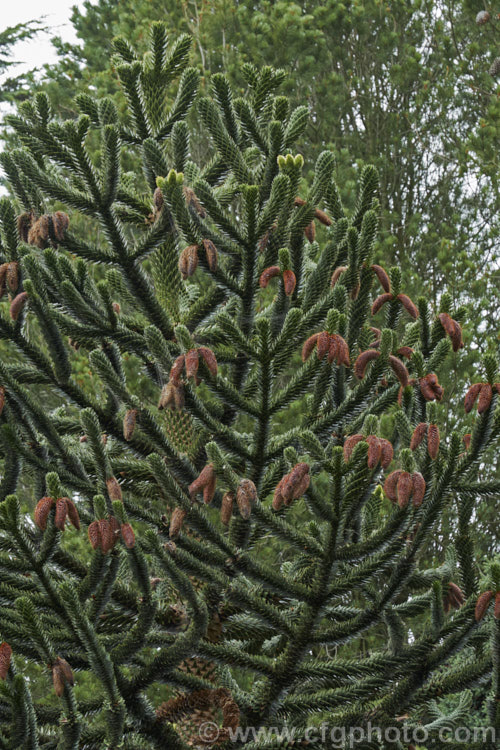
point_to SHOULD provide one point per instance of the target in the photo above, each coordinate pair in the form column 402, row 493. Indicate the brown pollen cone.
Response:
column 453, row 330
column 430, row 388
column 294, row 481
column 387, row 453
column 158, row 199
column 226, row 508
column 5, row 657
column 61, row 513
column 12, row 276
column 323, row 344
column 408, row 305
column 24, row 222
column 73, row 516
column 188, row 261
column 471, row 396
column 337, row 274
column 210, row 360
column 167, row 396
column 322, row 217
column 58, row 224
column 3, row 274
column 418, row 435
column 176, row 521
column 383, row 277
column 433, row 440
column 404, row 488
column 268, row 274
column 210, row 254
column 310, row 231
column 391, row 485
column 454, row 597
column 482, row 604
column 399, row 370
column 349, row 445
column 418, row 488
column 193, row 201
column 380, row 302
column 204, row 479
column 363, row 360
column 17, row 305
column 309, row 345
column 61, row 674
column 128, row 535
column 278, row 498
column 108, row 537
column 114, row 489
column 94, row 534
column 176, row 369
column 374, row 451
column 485, row 397
column 289, row 282
column 129, row 422
column 338, row 350
column 191, row 361
column 246, row 495
column 209, row 490
column 42, row 511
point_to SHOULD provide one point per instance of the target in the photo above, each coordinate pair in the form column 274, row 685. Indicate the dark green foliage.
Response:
column 269, row 599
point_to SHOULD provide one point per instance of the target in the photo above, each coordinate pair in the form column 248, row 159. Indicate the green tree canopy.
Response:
column 258, row 518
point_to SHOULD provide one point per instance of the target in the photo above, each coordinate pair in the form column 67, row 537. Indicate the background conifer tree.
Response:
column 217, row 564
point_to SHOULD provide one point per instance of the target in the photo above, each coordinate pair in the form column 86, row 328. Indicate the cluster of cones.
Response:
column 401, row 486
column 453, row 330
column 369, row 355
column 172, row 393
column 327, row 344
column 431, row 431
column 483, row 393
column 65, row 510
column 380, row 450
column 288, row 276
column 430, row 388
column 388, row 296
column 192, row 201
column 291, row 486
column 9, row 281
column 189, row 258
column 429, row 385
column 206, row 483
column 104, row 534
column 47, row 229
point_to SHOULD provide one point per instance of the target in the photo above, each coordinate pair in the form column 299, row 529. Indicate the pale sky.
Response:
column 35, row 53
column 38, row 51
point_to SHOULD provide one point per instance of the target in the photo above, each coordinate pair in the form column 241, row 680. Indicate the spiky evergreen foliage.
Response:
column 261, row 623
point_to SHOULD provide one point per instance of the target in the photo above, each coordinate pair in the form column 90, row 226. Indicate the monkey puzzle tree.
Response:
column 232, row 566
